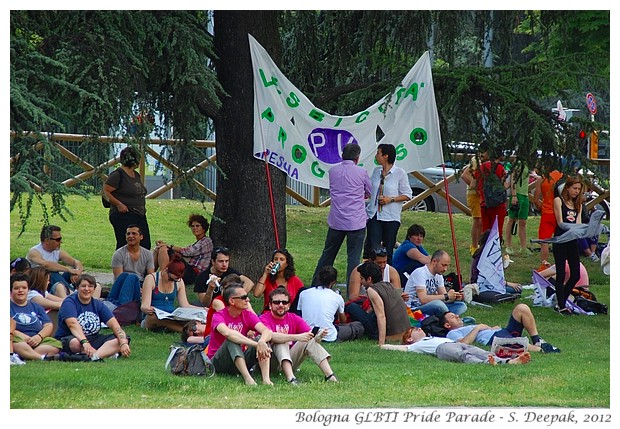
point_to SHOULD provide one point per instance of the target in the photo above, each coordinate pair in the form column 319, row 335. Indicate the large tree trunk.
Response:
column 243, row 202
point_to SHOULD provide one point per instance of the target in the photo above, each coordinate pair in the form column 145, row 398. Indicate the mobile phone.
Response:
column 315, row 330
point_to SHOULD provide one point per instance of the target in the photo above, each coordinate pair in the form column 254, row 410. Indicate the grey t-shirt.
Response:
column 122, row 259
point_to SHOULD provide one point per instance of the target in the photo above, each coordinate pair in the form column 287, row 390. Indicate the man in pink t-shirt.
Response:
column 229, row 330
column 288, row 327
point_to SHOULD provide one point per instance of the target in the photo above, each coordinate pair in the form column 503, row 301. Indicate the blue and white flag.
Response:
column 490, row 266
column 305, row 142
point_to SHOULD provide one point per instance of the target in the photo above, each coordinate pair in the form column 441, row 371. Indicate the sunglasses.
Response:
column 57, row 239
column 221, row 249
column 242, row 297
column 279, row 302
column 283, row 251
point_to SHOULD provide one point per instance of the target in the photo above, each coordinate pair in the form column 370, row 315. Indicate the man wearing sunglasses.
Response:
column 292, row 339
column 207, row 282
column 49, row 255
column 229, row 332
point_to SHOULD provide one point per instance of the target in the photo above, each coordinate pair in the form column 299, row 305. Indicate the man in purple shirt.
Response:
column 349, row 186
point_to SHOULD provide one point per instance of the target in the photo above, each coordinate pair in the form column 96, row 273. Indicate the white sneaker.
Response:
column 16, row 360
column 594, row 258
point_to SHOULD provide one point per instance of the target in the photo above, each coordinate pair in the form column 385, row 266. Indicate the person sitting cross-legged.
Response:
column 292, row 340
column 520, row 319
column 426, row 289
column 415, row 340
column 79, row 324
column 229, row 333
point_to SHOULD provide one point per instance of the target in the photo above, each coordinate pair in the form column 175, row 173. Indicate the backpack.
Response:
column 190, row 360
column 590, row 306
column 492, row 297
column 493, row 189
column 452, row 281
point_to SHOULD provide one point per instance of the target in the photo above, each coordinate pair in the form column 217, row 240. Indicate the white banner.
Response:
column 490, row 266
column 305, row 142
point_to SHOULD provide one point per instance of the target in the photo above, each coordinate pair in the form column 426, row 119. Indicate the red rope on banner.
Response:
column 271, row 201
column 456, row 252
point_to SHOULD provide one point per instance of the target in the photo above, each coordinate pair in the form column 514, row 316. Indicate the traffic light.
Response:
column 594, row 145
column 582, row 141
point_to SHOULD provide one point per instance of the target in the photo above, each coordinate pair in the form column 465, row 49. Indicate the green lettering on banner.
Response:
column 316, row 115
column 318, row 172
column 418, row 136
column 268, row 114
column 362, row 117
column 299, row 153
column 401, row 152
column 292, row 100
column 273, row 81
column 413, row 91
column 282, row 136
column 338, row 122
column 399, row 94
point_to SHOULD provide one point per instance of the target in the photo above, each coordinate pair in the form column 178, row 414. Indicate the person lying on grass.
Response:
column 416, row 341
column 520, row 319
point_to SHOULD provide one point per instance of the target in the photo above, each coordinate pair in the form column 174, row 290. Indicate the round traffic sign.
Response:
column 591, row 102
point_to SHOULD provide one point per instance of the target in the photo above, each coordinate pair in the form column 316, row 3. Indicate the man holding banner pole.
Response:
column 349, row 187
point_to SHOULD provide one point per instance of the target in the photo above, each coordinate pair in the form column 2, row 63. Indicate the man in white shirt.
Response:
column 319, row 305
column 416, row 341
column 427, row 292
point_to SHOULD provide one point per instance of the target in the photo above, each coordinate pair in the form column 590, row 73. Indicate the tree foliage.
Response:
column 96, row 72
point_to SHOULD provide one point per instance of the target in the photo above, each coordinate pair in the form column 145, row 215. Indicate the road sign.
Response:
column 591, row 103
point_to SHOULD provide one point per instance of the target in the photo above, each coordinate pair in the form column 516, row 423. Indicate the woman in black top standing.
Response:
column 567, row 208
column 126, row 194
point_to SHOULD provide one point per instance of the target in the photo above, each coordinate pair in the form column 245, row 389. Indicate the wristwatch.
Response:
column 392, row 200
column 446, row 297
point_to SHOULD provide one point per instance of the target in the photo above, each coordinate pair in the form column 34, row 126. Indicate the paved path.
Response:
column 105, row 278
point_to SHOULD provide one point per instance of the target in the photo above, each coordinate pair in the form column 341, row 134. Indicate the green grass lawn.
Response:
column 370, row 378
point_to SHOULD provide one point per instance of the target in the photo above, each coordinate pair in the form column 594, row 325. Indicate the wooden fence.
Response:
column 311, row 200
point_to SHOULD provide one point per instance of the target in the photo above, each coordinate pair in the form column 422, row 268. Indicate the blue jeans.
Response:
column 333, row 241
column 63, row 279
column 438, row 308
column 368, row 320
column 126, row 288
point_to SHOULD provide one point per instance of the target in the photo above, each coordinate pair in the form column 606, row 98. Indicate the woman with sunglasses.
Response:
column 160, row 290
column 280, row 271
